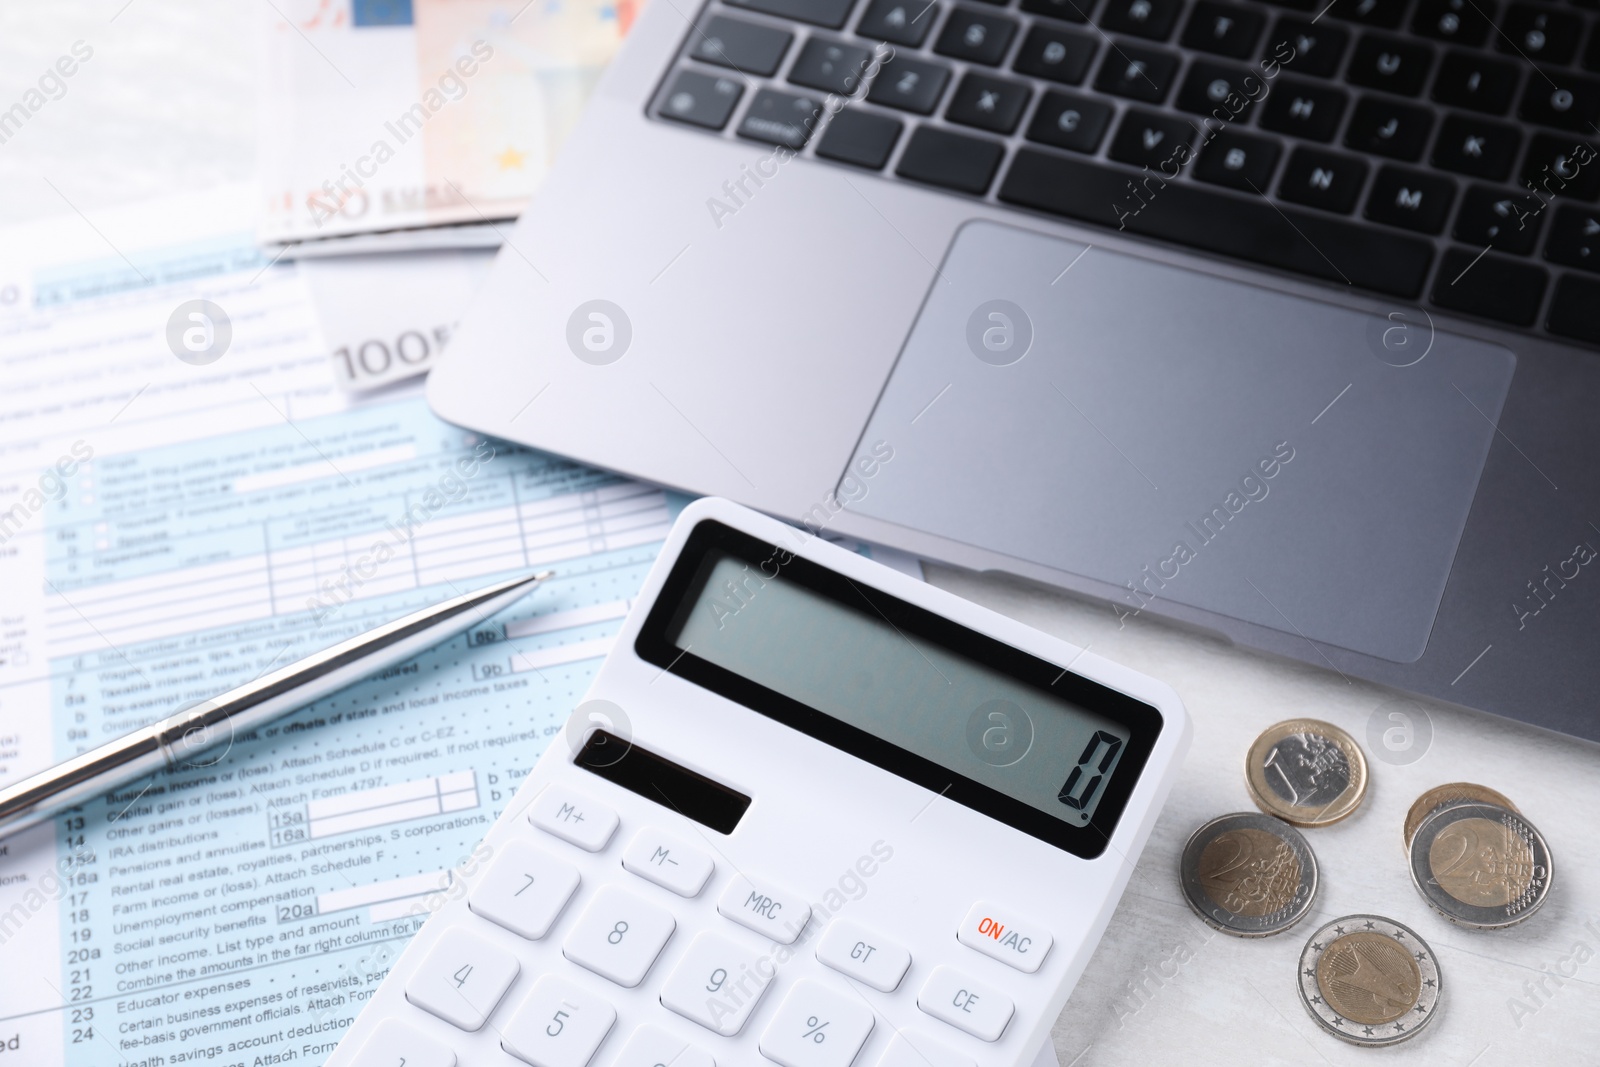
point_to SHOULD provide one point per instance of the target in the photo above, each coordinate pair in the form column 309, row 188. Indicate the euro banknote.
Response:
column 392, row 115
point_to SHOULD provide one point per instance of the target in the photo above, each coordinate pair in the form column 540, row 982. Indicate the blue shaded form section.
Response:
column 54, row 286
column 380, row 12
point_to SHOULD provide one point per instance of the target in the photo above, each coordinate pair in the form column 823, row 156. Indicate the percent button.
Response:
column 817, row 1026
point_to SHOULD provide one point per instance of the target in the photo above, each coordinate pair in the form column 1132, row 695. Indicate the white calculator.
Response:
column 815, row 813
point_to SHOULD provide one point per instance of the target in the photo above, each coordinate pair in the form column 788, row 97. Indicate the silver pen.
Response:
column 176, row 740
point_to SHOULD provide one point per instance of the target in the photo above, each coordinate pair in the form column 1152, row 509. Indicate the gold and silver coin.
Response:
column 1249, row 875
column 1369, row 980
column 1481, row 865
column 1306, row 772
column 1455, row 792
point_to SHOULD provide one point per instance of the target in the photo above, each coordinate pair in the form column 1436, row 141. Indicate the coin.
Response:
column 1306, row 772
column 1369, row 980
column 1248, row 875
column 1481, row 865
column 1440, row 795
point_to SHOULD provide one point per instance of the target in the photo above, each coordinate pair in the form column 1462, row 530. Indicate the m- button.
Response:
column 996, row 933
column 769, row 912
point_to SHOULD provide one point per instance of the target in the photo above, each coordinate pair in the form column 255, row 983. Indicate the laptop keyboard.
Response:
column 1433, row 150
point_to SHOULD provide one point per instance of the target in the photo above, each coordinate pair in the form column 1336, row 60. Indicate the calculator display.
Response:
column 843, row 656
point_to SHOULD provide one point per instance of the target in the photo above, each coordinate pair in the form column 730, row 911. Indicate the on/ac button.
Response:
column 998, row 934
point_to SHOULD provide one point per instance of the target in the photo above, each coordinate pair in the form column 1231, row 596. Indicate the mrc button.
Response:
column 770, row 912
column 995, row 932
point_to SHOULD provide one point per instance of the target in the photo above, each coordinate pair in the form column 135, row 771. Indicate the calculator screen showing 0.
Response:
column 780, row 634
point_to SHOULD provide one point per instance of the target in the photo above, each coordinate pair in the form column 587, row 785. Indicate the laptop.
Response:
column 1276, row 321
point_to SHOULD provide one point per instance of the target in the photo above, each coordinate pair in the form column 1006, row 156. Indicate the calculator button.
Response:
column 996, row 933
column 619, row 936
column 718, row 983
column 573, row 817
column 558, row 1024
column 668, row 862
column 911, row 1049
column 967, row 1004
column 462, row 978
column 768, row 911
column 524, row 890
column 817, row 1027
column 651, row 1046
column 859, row 953
column 394, row 1044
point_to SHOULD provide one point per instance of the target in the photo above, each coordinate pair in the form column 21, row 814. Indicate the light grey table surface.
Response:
column 167, row 105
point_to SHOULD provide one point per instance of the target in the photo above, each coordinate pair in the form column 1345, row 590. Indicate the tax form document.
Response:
column 170, row 527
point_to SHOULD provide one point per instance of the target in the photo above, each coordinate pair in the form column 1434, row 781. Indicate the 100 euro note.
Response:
column 384, row 115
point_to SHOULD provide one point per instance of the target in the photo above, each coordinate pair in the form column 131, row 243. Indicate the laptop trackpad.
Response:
column 1177, row 435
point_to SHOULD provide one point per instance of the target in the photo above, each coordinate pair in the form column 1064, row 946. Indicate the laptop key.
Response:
column 1500, row 218
column 977, row 36
column 781, row 118
column 1323, row 180
column 701, row 99
column 1223, row 29
column 1562, row 166
column 1410, row 199
column 952, row 160
column 747, row 47
column 1490, row 286
column 861, row 138
column 1477, row 147
column 1246, row 227
column 1389, row 128
column 1137, row 73
column 1317, row 47
column 832, row 66
column 1575, row 238
column 909, row 84
column 1539, row 34
column 904, row 22
column 1068, row 120
column 1575, row 309
column 988, row 103
column 1390, row 64
column 1565, row 101
column 1467, row 22
column 1147, row 139
column 1239, row 160
column 1150, row 19
column 1476, row 82
column 1304, row 109
column 1222, row 90
column 1070, row 10
column 1059, row 55
column 1384, row 13
column 829, row 13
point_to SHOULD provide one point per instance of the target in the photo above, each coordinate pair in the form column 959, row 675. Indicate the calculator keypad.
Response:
column 619, row 936
column 651, row 1046
column 966, row 1003
column 768, row 910
column 856, row 952
column 718, row 980
column 717, row 984
column 525, row 889
column 394, row 1044
column 462, row 978
column 995, row 932
column 668, row 862
column 574, row 818
column 817, row 1026
column 912, row 1049
column 558, row 1024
